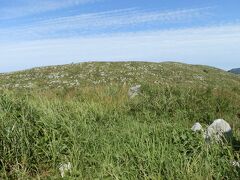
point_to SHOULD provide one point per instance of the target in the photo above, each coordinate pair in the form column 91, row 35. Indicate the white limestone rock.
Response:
column 197, row 127
column 218, row 131
column 134, row 91
column 64, row 168
column 236, row 163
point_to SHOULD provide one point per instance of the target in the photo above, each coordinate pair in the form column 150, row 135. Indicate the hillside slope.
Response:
column 80, row 115
column 105, row 73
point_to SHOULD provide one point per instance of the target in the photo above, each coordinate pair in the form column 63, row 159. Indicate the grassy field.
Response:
column 82, row 114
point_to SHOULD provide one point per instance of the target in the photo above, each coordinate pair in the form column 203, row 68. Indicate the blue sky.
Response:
column 48, row 32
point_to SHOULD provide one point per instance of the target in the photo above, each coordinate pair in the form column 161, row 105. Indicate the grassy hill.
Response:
column 100, row 73
column 81, row 113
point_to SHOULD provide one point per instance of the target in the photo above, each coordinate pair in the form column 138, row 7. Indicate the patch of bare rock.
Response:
column 219, row 130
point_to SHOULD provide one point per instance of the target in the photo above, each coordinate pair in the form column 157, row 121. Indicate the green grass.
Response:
column 106, row 135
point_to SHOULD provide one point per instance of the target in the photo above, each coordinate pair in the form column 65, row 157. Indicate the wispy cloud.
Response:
column 20, row 8
column 210, row 45
column 102, row 21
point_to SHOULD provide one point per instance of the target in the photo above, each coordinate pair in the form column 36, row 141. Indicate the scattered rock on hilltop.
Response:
column 118, row 73
column 134, row 91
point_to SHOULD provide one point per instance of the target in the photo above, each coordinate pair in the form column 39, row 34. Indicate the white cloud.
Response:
column 125, row 17
column 101, row 21
column 218, row 46
column 22, row 8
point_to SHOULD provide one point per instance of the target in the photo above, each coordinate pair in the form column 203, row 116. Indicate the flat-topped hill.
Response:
column 108, row 73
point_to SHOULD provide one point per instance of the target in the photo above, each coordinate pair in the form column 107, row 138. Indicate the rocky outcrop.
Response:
column 218, row 130
column 134, row 91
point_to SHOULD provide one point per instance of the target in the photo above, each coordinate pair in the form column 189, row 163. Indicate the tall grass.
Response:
column 108, row 136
